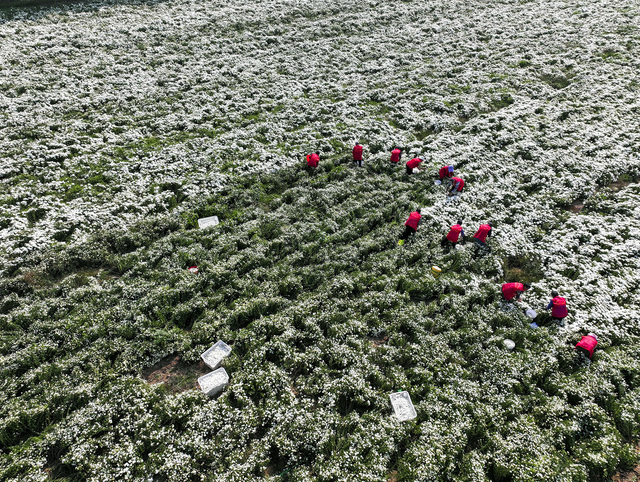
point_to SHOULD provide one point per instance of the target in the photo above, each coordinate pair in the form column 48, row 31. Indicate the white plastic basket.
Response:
column 213, row 383
column 206, row 222
column 402, row 406
column 214, row 355
column 509, row 344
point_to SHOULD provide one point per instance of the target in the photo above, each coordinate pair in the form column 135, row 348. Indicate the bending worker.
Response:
column 396, row 154
column 484, row 231
column 410, row 226
column 451, row 239
column 445, row 171
column 513, row 290
column 413, row 163
column 558, row 307
column 457, row 184
column 313, row 159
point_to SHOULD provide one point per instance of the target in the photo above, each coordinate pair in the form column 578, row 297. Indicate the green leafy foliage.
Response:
column 326, row 315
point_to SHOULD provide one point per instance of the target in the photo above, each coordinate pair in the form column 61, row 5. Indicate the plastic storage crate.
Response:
column 214, row 355
column 214, row 382
column 402, row 406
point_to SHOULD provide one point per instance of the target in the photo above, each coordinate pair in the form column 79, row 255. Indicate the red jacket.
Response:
column 395, row 155
column 444, row 172
column 414, row 219
column 483, row 232
column 456, row 180
column 313, row 159
column 413, row 163
column 509, row 290
column 559, row 309
column 357, row 153
column 587, row 343
column 454, row 233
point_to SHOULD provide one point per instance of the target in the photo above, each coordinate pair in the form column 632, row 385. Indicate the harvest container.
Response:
column 206, row 222
column 402, row 406
column 214, row 355
column 435, row 271
column 214, row 382
column 509, row 344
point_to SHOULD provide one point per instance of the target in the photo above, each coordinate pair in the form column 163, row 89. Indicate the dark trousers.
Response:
column 409, row 170
column 408, row 231
column 358, row 162
column 445, row 243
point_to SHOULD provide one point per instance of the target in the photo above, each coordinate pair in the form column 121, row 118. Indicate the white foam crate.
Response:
column 402, row 406
column 213, row 383
column 214, row 355
column 207, row 222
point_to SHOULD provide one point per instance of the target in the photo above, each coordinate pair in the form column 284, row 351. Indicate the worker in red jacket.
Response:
column 357, row 155
column 410, row 226
column 451, row 239
column 445, row 171
column 558, row 307
column 313, row 159
column 413, row 163
column 514, row 290
column 456, row 186
column 587, row 344
column 396, row 154
column 484, row 231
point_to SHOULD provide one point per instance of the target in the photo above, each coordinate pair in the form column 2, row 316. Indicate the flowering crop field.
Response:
column 123, row 122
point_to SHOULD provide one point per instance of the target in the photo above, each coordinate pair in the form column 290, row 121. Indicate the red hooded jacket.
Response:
column 413, row 163
column 395, row 155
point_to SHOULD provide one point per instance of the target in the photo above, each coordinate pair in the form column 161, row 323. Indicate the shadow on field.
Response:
column 12, row 9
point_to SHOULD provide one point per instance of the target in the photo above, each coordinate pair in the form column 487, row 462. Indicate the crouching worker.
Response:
column 558, row 307
column 313, row 159
column 512, row 291
column 410, row 226
column 456, row 186
column 451, row 239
